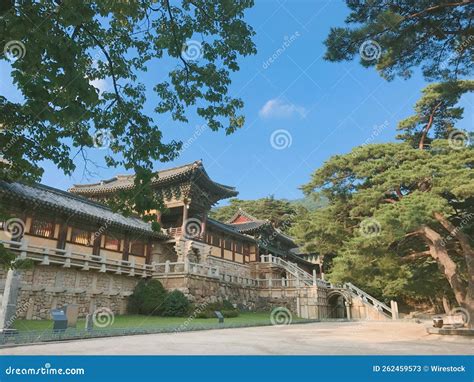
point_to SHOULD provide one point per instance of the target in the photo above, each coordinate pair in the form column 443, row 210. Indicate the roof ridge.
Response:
column 115, row 217
column 70, row 195
column 196, row 163
column 240, row 211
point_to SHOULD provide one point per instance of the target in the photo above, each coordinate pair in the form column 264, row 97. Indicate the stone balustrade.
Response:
column 70, row 259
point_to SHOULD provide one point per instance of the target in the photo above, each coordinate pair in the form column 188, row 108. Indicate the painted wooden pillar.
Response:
column 96, row 245
column 148, row 254
column 62, row 235
column 185, row 216
column 126, row 248
column 203, row 225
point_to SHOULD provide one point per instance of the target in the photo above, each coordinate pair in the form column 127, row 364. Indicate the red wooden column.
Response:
column 203, row 225
column 148, row 249
column 185, row 216
column 126, row 248
column 62, row 235
column 96, row 245
column 233, row 244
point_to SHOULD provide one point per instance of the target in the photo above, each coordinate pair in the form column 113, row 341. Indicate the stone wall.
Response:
column 202, row 290
column 363, row 311
column 230, row 267
column 308, row 302
column 47, row 287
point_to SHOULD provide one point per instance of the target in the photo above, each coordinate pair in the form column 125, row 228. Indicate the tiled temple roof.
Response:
column 228, row 228
column 254, row 225
column 62, row 201
column 250, row 226
column 193, row 171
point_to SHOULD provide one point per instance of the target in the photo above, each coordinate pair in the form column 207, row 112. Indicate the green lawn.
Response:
column 137, row 321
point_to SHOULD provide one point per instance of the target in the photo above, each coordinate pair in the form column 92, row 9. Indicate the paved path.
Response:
column 315, row 338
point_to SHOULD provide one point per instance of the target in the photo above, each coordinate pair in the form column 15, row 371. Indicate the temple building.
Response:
column 189, row 194
column 87, row 254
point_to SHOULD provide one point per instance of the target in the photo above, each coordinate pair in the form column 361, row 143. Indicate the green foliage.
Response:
column 436, row 35
column 396, row 189
column 225, row 307
column 9, row 260
column 147, row 298
column 176, row 304
column 310, row 203
column 280, row 212
column 76, row 43
column 435, row 112
column 397, row 37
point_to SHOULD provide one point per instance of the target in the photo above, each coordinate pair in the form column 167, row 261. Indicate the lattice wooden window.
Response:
column 137, row 248
column 81, row 236
column 238, row 247
column 42, row 227
column 111, row 243
column 215, row 240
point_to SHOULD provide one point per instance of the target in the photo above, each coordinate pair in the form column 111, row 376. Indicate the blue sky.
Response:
column 322, row 108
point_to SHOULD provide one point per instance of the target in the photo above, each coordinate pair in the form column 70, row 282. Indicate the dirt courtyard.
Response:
column 327, row 338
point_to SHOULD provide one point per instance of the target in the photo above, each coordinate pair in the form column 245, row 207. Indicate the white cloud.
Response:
column 100, row 84
column 277, row 108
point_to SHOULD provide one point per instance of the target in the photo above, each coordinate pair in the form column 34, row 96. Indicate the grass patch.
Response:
column 139, row 321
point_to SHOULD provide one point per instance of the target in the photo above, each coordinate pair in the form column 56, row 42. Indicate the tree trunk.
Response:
column 446, row 305
column 468, row 253
column 447, row 265
column 427, row 128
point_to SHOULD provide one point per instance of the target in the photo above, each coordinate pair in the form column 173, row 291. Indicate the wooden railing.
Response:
column 70, row 259
column 174, row 231
column 178, row 231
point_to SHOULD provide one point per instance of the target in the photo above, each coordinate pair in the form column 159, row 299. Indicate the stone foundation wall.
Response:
column 363, row 311
column 312, row 303
column 309, row 302
column 230, row 267
column 202, row 290
column 48, row 287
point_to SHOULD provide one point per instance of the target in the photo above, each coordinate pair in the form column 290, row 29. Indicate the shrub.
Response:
column 225, row 307
column 176, row 305
column 147, row 298
column 230, row 313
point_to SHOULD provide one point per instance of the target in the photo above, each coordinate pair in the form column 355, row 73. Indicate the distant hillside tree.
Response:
column 280, row 212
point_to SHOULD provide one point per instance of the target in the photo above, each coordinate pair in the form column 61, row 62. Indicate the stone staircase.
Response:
column 368, row 300
column 353, row 294
column 299, row 274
